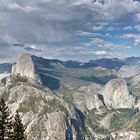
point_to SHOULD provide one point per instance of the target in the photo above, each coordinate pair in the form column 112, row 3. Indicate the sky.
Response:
column 69, row 29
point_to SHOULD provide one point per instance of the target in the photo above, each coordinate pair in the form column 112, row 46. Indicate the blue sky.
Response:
column 69, row 29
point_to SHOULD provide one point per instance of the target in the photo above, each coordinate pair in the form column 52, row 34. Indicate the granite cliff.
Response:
column 25, row 66
column 78, row 102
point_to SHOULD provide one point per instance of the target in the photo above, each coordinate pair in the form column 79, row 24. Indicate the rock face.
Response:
column 135, row 79
column 87, row 98
column 127, row 71
column 93, row 112
column 116, row 94
column 45, row 116
column 124, row 136
column 25, row 66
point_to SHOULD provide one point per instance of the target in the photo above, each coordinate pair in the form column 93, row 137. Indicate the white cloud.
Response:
column 104, row 44
column 97, row 28
column 101, row 53
column 137, row 17
column 133, row 37
column 82, row 33
column 16, row 6
column 63, row 22
column 128, row 28
column 77, row 53
column 57, row 21
column 137, row 27
column 108, row 35
column 33, row 48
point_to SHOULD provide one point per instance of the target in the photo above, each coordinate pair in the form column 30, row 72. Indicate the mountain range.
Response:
column 70, row 100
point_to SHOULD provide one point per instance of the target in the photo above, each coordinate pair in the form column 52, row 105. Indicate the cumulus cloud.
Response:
column 97, row 28
column 104, row 44
column 133, row 37
column 82, row 33
column 33, row 48
column 69, row 53
column 64, row 22
column 16, row 6
column 57, row 21
column 101, row 53
column 137, row 27
column 128, row 28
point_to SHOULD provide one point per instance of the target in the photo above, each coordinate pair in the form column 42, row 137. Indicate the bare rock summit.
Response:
column 25, row 66
column 116, row 94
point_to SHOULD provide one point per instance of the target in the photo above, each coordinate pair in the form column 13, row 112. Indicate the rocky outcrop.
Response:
column 106, row 121
column 87, row 98
column 116, row 94
column 124, row 135
column 127, row 71
column 93, row 112
column 45, row 116
column 25, row 66
column 135, row 79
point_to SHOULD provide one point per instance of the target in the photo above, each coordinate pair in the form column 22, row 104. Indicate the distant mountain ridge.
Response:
column 5, row 67
column 54, row 73
column 111, row 63
column 132, row 60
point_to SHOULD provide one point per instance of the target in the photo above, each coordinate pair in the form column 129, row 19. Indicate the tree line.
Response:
column 11, row 128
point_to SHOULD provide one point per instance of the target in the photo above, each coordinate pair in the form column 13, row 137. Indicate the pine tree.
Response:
column 19, row 131
column 6, row 131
